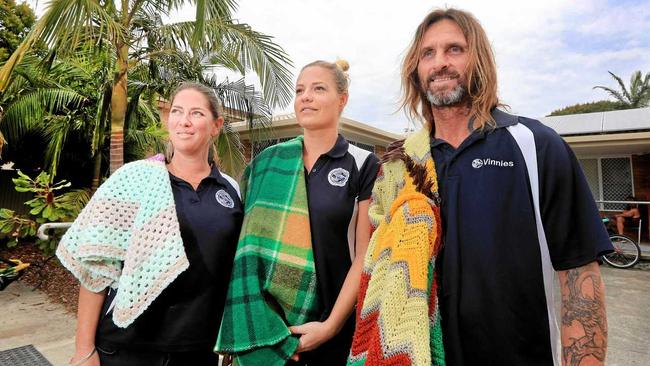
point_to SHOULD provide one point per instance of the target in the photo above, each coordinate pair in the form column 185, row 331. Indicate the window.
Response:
column 610, row 179
column 259, row 146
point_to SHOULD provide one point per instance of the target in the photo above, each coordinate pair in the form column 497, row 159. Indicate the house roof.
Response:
column 605, row 133
column 600, row 122
column 286, row 125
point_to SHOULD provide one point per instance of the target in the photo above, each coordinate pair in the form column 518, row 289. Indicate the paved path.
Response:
column 628, row 313
column 29, row 318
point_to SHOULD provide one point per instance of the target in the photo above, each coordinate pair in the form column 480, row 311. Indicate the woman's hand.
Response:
column 312, row 335
column 82, row 358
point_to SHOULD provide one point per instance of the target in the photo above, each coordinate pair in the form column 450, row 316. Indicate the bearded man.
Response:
column 511, row 213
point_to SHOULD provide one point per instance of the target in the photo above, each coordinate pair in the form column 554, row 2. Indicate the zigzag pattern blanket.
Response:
column 273, row 280
column 398, row 322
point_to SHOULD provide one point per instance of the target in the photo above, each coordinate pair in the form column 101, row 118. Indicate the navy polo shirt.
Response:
column 494, row 298
column 187, row 314
column 337, row 182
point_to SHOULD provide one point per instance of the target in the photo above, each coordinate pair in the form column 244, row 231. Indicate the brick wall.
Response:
column 248, row 150
column 641, row 176
column 379, row 150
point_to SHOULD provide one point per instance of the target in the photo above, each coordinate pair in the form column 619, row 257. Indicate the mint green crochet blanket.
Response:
column 127, row 237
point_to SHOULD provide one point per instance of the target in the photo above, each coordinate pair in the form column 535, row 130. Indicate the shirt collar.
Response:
column 502, row 119
column 339, row 149
column 214, row 174
column 217, row 175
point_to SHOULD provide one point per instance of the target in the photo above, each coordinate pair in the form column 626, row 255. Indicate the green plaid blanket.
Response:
column 273, row 281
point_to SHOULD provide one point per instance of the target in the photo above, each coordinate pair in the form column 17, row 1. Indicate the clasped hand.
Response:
column 312, row 335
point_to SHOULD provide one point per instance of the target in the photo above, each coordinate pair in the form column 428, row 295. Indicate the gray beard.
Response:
column 442, row 99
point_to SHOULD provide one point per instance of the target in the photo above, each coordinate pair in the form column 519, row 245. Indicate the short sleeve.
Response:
column 574, row 229
column 368, row 174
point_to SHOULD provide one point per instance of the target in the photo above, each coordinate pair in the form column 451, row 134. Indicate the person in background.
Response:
column 629, row 217
column 299, row 258
column 154, row 247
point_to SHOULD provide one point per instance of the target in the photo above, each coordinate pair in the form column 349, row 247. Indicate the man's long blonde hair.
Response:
column 481, row 71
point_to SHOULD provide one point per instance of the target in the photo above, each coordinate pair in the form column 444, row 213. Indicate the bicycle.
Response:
column 626, row 252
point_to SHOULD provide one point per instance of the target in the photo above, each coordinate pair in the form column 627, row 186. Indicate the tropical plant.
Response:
column 46, row 206
column 127, row 30
column 70, row 97
column 636, row 96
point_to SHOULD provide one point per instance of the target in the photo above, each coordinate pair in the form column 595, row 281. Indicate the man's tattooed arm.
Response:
column 584, row 321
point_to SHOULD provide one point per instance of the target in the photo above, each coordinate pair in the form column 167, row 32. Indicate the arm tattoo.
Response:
column 583, row 307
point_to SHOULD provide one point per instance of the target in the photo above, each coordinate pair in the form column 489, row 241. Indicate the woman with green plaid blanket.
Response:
column 300, row 254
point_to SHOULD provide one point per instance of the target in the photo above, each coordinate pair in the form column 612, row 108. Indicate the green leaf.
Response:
column 47, row 212
column 36, row 210
column 6, row 227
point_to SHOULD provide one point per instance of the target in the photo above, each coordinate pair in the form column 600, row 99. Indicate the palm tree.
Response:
column 68, row 100
column 68, row 97
column 67, row 23
column 637, row 96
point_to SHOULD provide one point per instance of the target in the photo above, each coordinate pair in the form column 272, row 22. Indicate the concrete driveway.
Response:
column 628, row 315
column 28, row 317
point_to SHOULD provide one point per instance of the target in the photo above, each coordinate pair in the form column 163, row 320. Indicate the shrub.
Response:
column 47, row 206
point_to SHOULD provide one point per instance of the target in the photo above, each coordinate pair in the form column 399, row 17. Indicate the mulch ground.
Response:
column 50, row 277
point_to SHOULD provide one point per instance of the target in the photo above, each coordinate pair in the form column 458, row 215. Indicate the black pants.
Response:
column 114, row 356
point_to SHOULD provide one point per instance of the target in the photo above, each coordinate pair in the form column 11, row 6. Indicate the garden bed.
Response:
column 54, row 280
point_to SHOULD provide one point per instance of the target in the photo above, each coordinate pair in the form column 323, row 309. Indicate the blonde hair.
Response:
column 339, row 70
column 481, row 77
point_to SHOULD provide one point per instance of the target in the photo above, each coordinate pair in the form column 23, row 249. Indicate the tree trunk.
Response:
column 97, row 170
column 118, row 109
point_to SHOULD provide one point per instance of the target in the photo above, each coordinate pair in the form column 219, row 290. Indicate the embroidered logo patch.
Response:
column 224, row 199
column 338, row 177
column 479, row 163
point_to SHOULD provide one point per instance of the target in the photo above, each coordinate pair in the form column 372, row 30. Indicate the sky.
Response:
column 549, row 53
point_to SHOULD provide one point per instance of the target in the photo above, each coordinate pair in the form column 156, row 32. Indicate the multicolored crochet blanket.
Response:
column 273, row 282
column 398, row 322
column 127, row 237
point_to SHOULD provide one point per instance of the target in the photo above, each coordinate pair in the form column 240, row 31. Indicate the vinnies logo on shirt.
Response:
column 479, row 163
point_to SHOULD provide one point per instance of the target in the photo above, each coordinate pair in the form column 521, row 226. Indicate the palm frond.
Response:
column 230, row 152
column 56, row 132
column 624, row 90
column 76, row 198
column 63, row 24
column 206, row 11
column 30, row 108
column 252, row 50
column 101, row 118
column 143, row 142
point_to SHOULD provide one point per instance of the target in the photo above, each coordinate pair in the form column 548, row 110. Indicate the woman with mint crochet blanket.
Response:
column 300, row 254
column 154, row 248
